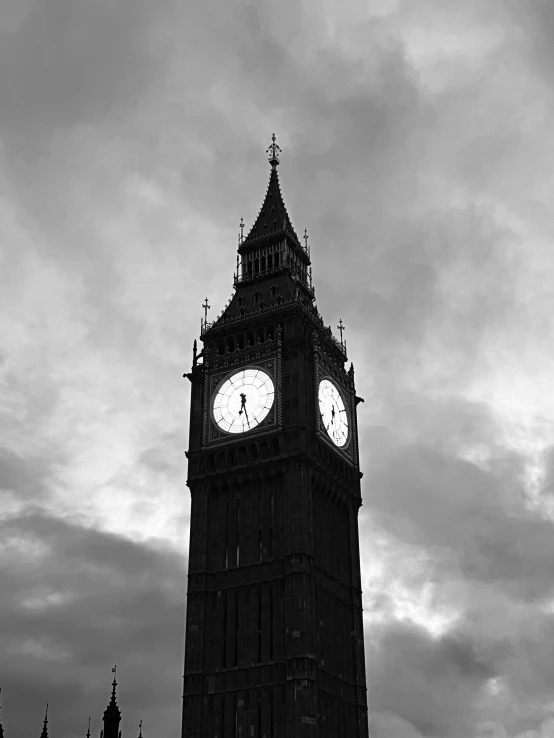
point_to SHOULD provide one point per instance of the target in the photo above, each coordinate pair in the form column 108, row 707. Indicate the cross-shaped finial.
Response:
column 341, row 329
column 206, row 308
column 241, row 226
column 306, row 238
column 274, row 150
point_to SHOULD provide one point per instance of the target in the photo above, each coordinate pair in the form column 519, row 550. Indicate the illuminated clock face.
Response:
column 243, row 400
column 333, row 412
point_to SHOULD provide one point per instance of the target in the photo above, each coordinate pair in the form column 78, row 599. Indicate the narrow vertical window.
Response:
column 236, row 628
column 224, row 655
column 271, row 526
column 227, row 534
column 260, row 522
column 271, row 622
column 238, row 532
column 259, row 625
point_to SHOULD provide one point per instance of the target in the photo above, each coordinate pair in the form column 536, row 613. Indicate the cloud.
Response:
column 467, row 516
column 65, row 63
column 74, row 601
column 430, row 684
column 416, row 149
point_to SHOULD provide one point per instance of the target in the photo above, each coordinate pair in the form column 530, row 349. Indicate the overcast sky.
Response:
column 417, row 150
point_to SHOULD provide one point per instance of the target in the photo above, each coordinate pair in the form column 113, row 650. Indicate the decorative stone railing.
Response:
column 268, row 310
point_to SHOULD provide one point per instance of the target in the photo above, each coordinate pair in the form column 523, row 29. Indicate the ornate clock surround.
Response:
column 216, row 435
column 326, row 367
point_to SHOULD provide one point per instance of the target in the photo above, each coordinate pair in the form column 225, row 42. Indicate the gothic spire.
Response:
column 44, row 733
column 273, row 217
column 88, row 731
column 140, row 730
column 112, row 714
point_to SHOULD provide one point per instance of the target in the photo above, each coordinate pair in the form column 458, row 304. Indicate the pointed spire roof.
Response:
column 44, row 733
column 1, row 728
column 273, row 217
column 112, row 714
column 88, row 731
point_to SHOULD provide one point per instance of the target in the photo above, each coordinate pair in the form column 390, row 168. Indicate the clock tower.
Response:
column 274, row 632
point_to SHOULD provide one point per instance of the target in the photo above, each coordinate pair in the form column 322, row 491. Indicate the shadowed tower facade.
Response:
column 274, row 633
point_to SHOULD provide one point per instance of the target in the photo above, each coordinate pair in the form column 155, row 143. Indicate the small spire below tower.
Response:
column 112, row 714
column 274, row 150
column 341, row 328
column 206, row 307
column 305, row 237
column 44, row 733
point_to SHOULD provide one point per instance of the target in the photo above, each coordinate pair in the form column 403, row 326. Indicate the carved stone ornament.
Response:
column 270, row 366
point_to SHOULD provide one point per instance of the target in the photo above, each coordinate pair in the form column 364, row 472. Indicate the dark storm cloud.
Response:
column 74, row 601
column 24, row 476
column 467, row 517
column 431, row 684
column 72, row 61
column 394, row 183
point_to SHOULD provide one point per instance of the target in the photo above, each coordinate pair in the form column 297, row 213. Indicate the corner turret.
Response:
column 1, row 728
column 44, row 733
column 112, row 714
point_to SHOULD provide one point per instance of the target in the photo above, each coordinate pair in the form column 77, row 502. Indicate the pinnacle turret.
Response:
column 44, row 733
column 112, row 713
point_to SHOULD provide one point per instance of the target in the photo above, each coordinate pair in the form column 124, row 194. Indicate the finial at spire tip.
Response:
column 274, row 150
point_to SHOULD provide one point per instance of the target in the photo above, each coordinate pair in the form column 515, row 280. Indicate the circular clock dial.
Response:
column 333, row 412
column 243, row 400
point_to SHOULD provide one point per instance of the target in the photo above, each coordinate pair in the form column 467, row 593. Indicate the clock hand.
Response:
column 243, row 399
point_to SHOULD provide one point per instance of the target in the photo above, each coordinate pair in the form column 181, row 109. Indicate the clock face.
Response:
column 243, row 400
column 333, row 412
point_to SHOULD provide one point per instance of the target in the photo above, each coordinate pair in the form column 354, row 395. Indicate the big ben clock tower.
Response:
column 274, row 633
